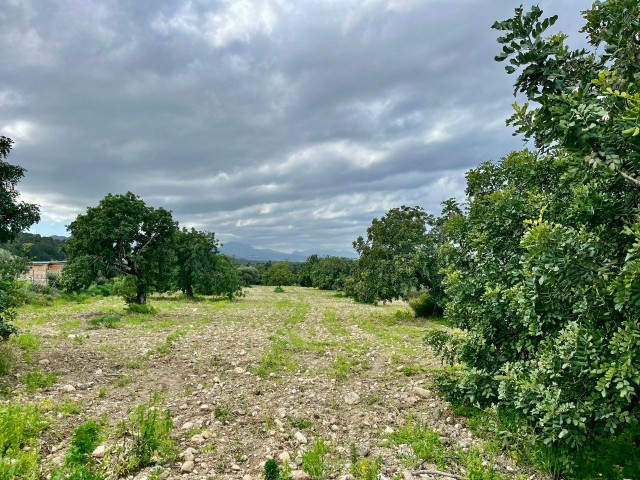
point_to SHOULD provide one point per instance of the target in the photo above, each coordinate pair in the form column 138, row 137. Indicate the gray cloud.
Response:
column 284, row 124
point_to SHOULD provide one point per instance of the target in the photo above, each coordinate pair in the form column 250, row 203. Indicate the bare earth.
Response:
column 248, row 380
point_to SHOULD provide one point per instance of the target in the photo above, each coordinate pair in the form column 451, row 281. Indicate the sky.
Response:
column 284, row 124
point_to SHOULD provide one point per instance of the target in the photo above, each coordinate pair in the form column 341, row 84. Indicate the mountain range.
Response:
column 247, row 252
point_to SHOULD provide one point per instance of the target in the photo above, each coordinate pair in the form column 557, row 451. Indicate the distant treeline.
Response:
column 35, row 247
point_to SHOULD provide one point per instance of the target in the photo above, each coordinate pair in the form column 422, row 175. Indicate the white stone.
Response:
column 300, row 438
column 284, row 457
column 68, row 388
column 239, row 370
column 187, row 467
column 187, row 426
column 352, row 398
column 99, row 451
column 421, row 392
column 389, row 430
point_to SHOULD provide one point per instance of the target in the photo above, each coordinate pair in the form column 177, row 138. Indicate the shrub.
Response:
column 78, row 462
column 20, row 427
column 423, row 306
column 37, row 379
column 314, row 460
column 137, row 308
column 106, row 321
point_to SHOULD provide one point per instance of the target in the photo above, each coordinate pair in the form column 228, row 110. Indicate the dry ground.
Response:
column 242, row 378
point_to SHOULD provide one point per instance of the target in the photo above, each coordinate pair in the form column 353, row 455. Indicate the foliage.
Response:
column 423, row 306
column 250, row 275
column 78, row 462
column 196, row 257
column 35, row 247
column 272, row 471
column 398, row 256
column 15, row 216
column 542, row 268
column 425, row 443
column 10, row 268
column 279, row 274
column 314, row 460
column 224, row 280
column 20, row 427
column 327, row 273
column 121, row 236
column 106, row 321
column 37, row 379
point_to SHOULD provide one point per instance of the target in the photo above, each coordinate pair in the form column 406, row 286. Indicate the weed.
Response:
column 122, row 380
column 165, row 348
column 275, row 358
column 314, row 460
column 222, row 412
column 300, row 423
column 20, row 427
column 278, row 290
column 143, row 309
column 36, row 380
column 7, row 358
column 341, row 369
column 425, row 443
column 146, row 438
column 215, row 360
column 102, row 392
column 78, row 462
column 106, row 321
column 67, row 407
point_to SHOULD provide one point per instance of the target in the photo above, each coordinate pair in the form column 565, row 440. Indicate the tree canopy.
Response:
column 121, row 236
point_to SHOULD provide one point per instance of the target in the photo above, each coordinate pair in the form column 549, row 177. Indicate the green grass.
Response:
column 7, row 358
column 344, row 367
column 105, row 321
column 276, row 357
column 425, row 443
column 314, row 460
column 37, row 379
column 222, row 413
column 300, row 423
column 333, row 325
column 67, row 407
column 167, row 346
column 20, row 426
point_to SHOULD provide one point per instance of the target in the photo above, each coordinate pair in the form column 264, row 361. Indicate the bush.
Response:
column 20, row 427
column 137, row 308
column 423, row 305
column 106, row 321
column 78, row 462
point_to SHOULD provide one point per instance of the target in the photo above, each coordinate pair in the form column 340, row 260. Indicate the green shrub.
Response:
column 7, row 358
column 314, row 460
column 37, row 379
column 278, row 290
column 144, row 309
column 78, row 462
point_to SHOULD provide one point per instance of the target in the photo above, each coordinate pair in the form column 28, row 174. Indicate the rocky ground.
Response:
column 262, row 377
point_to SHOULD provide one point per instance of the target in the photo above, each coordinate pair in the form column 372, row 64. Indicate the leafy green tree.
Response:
column 330, row 273
column 542, row 269
column 306, row 270
column 39, row 247
column 397, row 257
column 279, row 274
column 15, row 216
column 225, row 279
column 121, row 236
column 250, row 274
column 196, row 258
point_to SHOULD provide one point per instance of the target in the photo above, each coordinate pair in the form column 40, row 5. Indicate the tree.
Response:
column 196, row 254
column 330, row 273
column 121, row 236
column 395, row 258
column 279, row 274
column 15, row 216
column 225, row 279
column 543, row 268
column 250, row 274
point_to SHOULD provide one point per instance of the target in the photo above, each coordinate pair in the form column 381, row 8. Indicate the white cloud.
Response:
column 20, row 131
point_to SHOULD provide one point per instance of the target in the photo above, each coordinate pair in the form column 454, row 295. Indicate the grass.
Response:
column 222, row 413
column 20, row 427
column 333, row 325
column 105, row 321
column 68, row 407
column 314, row 460
column 300, row 423
column 275, row 358
column 7, row 358
column 37, row 379
column 425, row 443
column 165, row 348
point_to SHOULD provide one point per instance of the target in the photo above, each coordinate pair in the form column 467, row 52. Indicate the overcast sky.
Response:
column 279, row 123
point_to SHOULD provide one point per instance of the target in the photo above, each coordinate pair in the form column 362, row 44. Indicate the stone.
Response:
column 347, row 476
column 99, row 451
column 235, row 467
column 352, row 398
column 239, row 370
column 300, row 475
column 197, row 438
column 204, row 406
column 187, row 467
column 206, row 434
column 68, row 388
column 246, row 477
column 334, row 427
column 421, row 392
column 284, row 456
column 389, row 430
column 300, row 438
column 188, row 426
column 98, row 372
column 437, row 413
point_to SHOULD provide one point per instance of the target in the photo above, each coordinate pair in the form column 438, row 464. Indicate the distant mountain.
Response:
column 247, row 252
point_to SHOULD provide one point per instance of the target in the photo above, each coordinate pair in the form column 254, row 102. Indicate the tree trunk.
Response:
column 189, row 291
column 142, row 294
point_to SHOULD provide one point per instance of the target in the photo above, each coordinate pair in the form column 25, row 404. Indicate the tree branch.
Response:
column 635, row 182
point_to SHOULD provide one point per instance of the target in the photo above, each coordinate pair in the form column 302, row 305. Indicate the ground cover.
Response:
column 327, row 387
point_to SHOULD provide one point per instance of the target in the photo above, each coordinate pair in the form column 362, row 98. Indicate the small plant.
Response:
column 146, row 438
column 423, row 305
column 364, row 469
column 102, row 392
column 137, row 308
column 300, row 423
column 36, row 380
column 271, row 470
column 78, row 462
column 314, row 460
column 7, row 358
column 222, row 412
column 278, row 290
column 67, row 407
column 106, row 321
column 165, row 348
column 215, row 360
column 425, row 443
column 20, row 427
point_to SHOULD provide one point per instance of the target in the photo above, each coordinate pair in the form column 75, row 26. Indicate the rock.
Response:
column 334, row 428
column 98, row 372
column 437, row 414
column 300, row 475
column 188, row 426
column 189, row 457
column 239, row 370
column 246, row 477
column 99, row 451
column 351, row 398
column 300, row 438
column 187, row 467
column 72, row 336
column 406, row 475
column 389, row 430
column 421, row 392
column 347, row 476
column 204, row 406
column 206, row 434
column 197, row 438
column 235, row 467
column 68, row 388
column 363, row 450
column 44, row 361
column 284, row 457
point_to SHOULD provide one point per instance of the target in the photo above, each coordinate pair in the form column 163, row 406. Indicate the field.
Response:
column 326, row 385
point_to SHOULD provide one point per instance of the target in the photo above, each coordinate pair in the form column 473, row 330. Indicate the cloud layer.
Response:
column 283, row 124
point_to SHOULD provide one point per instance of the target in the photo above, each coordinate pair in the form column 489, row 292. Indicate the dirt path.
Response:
column 264, row 376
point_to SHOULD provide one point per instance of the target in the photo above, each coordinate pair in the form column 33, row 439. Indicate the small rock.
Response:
column 389, row 430
column 437, row 413
column 189, row 457
column 347, row 476
column 98, row 372
column 72, row 336
column 68, row 388
column 187, row 426
column 246, row 477
column 300, row 475
column 421, row 392
column 187, row 467
column 300, row 438
column 206, row 434
column 44, row 361
column 204, row 406
column 99, row 451
column 352, row 398
column 197, row 438
column 334, row 428
column 239, row 370
column 284, row 457
column 363, row 451
column 235, row 467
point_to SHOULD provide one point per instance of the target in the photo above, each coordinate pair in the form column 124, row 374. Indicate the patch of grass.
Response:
column 333, row 325
column 341, row 368
column 300, row 423
column 102, row 392
column 364, row 468
column 67, row 407
column 7, row 358
column 215, row 360
column 275, row 358
column 37, row 379
column 146, row 438
column 26, row 341
column 141, row 309
column 165, row 348
column 425, row 443
column 314, row 461
column 299, row 314
column 20, row 427
column 122, row 380
column 278, row 290
column 105, row 321
column 222, row 412
column 78, row 462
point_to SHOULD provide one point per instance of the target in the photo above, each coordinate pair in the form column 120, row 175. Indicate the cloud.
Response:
column 280, row 123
